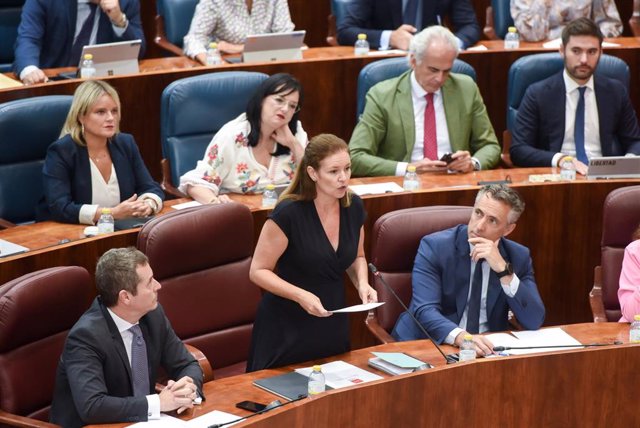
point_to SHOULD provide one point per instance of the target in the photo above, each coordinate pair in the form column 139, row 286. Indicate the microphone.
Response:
column 590, row 345
column 270, row 406
column 449, row 358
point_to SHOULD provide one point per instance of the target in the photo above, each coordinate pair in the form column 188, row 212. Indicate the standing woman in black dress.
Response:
column 311, row 238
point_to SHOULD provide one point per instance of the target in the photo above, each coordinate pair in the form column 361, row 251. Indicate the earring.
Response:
column 82, row 129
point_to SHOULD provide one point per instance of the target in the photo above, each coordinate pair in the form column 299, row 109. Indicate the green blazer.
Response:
column 385, row 133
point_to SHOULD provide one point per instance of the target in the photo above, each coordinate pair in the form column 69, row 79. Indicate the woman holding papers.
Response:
column 93, row 165
column 229, row 22
column 629, row 291
column 259, row 147
column 312, row 237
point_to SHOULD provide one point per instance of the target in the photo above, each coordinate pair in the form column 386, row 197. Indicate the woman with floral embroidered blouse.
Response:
column 259, row 147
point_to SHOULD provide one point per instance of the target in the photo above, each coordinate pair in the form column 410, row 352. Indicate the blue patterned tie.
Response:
column 578, row 131
column 84, row 36
column 139, row 367
column 473, row 314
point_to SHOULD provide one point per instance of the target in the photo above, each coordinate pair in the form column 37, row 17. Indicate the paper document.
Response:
column 9, row 248
column 476, row 48
column 339, row 374
column 376, row 188
column 186, row 205
column 165, row 421
column 544, row 337
column 399, row 359
column 555, row 44
column 388, row 52
column 359, row 308
column 211, row 418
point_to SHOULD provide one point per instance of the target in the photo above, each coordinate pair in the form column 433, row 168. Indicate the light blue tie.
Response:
column 578, row 131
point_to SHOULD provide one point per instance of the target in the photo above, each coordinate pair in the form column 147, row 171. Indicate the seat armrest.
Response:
column 205, row 365
column 167, row 184
column 332, row 33
column 489, row 27
column 376, row 329
column 21, row 421
column 634, row 21
column 160, row 38
column 505, row 156
column 595, row 297
column 6, row 224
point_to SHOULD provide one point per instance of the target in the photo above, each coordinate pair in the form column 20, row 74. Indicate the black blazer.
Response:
column 540, row 123
column 373, row 16
column 93, row 380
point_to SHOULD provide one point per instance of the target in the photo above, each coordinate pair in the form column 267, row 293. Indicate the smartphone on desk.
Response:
column 251, row 406
column 447, row 157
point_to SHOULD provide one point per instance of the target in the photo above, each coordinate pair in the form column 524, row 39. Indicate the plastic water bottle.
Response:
column 269, row 196
column 567, row 169
column 362, row 46
column 316, row 383
column 468, row 349
column 512, row 39
column 634, row 331
column 411, row 181
column 213, row 54
column 105, row 223
column 87, row 69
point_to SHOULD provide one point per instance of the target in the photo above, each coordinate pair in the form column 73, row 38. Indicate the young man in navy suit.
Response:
column 574, row 112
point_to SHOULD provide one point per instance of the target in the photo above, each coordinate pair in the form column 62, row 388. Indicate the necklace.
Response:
column 97, row 159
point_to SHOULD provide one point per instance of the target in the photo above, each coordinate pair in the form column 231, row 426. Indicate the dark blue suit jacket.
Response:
column 373, row 16
column 441, row 276
column 67, row 177
column 539, row 129
column 93, row 380
column 47, row 28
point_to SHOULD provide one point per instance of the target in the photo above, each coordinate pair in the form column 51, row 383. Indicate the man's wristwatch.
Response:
column 508, row 270
column 122, row 23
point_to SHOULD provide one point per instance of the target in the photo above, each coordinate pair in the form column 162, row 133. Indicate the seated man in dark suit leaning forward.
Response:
column 416, row 118
column 109, row 365
column 574, row 112
column 465, row 279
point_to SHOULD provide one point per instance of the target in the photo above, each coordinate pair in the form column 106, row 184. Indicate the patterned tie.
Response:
column 410, row 12
column 578, row 131
column 430, row 148
column 139, row 367
column 84, row 36
column 473, row 314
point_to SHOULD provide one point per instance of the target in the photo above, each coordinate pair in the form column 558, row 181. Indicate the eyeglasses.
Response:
column 280, row 102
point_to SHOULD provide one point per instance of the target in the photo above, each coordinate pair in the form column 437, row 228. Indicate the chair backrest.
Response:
column 177, row 16
column 201, row 256
column 9, row 22
column 502, row 19
column 194, row 109
column 27, row 128
column 394, row 243
column 36, row 312
column 377, row 71
column 532, row 68
column 620, row 217
column 339, row 9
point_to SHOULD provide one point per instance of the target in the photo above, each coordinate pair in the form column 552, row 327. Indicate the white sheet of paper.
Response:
column 477, row 48
column 375, row 189
column 359, row 308
column 211, row 418
column 339, row 374
column 543, row 337
column 555, row 44
column 388, row 52
column 186, row 205
column 8, row 248
column 165, row 421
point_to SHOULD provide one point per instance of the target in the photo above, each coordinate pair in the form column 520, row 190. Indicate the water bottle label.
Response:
column 634, row 335
column 105, row 228
column 316, row 387
column 567, row 174
column 410, row 185
column 467, row 354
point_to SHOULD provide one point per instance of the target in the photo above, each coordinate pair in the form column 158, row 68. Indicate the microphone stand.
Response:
column 590, row 345
column 265, row 410
column 448, row 358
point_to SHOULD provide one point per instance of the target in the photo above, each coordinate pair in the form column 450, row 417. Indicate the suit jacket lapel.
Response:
column 463, row 271
column 405, row 108
column 556, row 112
column 396, row 13
column 604, row 115
column 117, row 341
column 453, row 109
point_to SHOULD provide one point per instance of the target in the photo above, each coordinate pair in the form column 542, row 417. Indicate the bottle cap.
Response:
column 106, row 211
column 636, row 317
column 411, row 168
column 213, row 45
column 88, row 56
column 567, row 159
column 270, row 186
column 468, row 337
column 512, row 30
column 317, row 368
column 362, row 36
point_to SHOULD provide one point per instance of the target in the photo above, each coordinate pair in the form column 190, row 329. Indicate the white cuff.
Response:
column 153, row 410
column 384, row 40
column 155, row 198
column 511, row 288
column 401, row 169
column 87, row 214
column 555, row 159
column 451, row 337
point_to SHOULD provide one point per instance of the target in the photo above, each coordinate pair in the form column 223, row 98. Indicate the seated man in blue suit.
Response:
column 574, row 112
column 392, row 23
column 465, row 279
column 112, row 356
column 52, row 32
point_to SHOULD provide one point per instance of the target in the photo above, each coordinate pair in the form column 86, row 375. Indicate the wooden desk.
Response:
column 561, row 225
column 593, row 387
column 329, row 77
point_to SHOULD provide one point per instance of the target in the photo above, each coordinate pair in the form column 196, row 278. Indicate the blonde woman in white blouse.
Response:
column 261, row 146
column 228, row 22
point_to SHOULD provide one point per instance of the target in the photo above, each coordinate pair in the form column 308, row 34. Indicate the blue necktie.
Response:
column 84, row 36
column 139, row 364
column 410, row 12
column 578, row 131
column 473, row 312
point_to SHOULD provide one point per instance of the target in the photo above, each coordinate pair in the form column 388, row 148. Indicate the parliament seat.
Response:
column 36, row 312
column 338, row 11
column 9, row 22
column 192, row 110
column 498, row 19
column 27, row 128
column 172, row 23
column 620, row 218
column 394, row 244
column 377, row 71
column 201, row 257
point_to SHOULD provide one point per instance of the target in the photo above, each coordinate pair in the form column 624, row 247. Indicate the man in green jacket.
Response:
column 418, row 117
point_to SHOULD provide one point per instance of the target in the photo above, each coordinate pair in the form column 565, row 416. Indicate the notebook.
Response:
column 112, row 59
column 289, row 385
column 273, row 46
column 614, row 167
